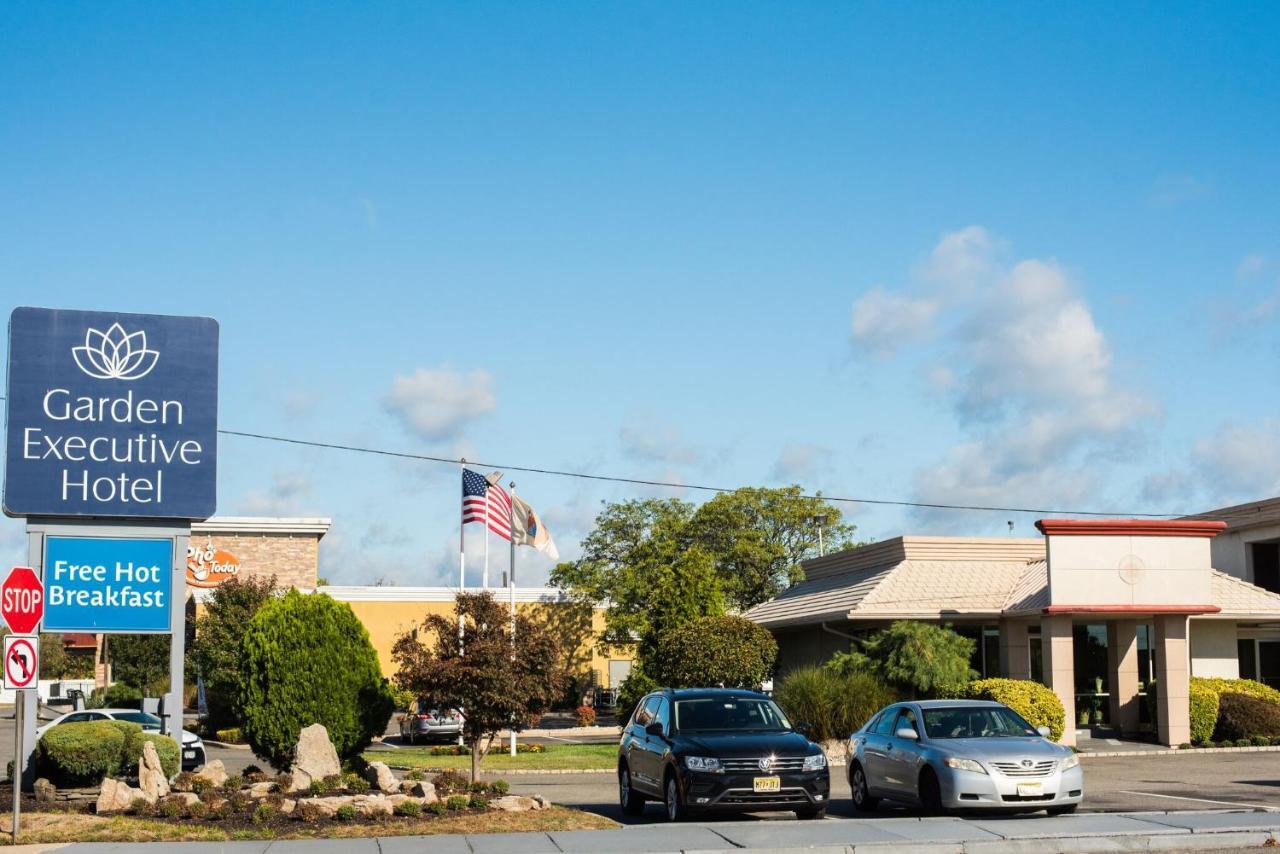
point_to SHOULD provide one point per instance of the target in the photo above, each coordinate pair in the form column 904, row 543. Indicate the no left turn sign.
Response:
column 21, row 661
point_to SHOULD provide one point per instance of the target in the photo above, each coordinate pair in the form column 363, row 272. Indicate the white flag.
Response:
column 527, row 529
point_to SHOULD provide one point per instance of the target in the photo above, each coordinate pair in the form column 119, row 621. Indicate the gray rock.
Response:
column 287, row 805
column 151, row 777
column 299, row 781
column 424, row 789
column 261, row 790
column 188, row 797
column 214, row 772
column 542, row 802
column 514, row 803
column 315, row 755
column 45, row 791
column 115, row 795
column 380, row 776
column 373, row 804
column 329, row 806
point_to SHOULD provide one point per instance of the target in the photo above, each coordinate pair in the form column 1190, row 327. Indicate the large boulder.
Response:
column 424, row 789
column 328, row 807
column 213, row 772
column 381, row 778
column 115, row 796
column 45, row 791
column 373, row 805
column 261, row 790
column 151, row 777
column 514, row 803
column 314, row 758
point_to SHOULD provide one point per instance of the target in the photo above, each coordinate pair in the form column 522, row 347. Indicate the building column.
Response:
column 1015, row 650
column 1057, row 647
column 1122, row 667
column 1173, row 680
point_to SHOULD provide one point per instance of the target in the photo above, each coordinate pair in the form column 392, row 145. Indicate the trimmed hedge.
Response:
column 1036, row 703
column 81, row 753
column 1243, row 716
column 1239, row 686
column 833, row 703
column 1204, row 711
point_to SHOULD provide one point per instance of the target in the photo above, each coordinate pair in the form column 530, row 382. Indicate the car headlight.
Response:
column 1070, row 761
column 816, row 762
column 964, row 764
column 702, row 763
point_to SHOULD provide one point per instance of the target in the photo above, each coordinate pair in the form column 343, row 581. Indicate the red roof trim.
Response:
column 1132, row 609
column 1131, row 527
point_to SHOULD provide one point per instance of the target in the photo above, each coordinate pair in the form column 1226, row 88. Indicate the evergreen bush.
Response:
column 920, row 659
column 1038, row 705
column 732, row 652
column 80, row 753
column 834, row 703
column 1204, row 704
column 1242, row 716
column 307, row 659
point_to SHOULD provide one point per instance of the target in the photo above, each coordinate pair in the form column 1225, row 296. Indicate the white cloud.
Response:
column 281, row 497
column 435, row 403
column 1241, row 462
column 964, row 258
column 653, row 440
column 884, row 321
column 801, row 462
column 1250, row 265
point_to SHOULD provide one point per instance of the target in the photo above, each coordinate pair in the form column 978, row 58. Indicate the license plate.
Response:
column 1030, row 790
column 188, row 754
column 768, row 784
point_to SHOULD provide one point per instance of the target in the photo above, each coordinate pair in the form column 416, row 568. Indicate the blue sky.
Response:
column 1008, row 254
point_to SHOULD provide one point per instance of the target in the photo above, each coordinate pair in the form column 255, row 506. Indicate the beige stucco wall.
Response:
column 1231, row 549
column 292, row 558
column 1213, row 649
column 1121, row 570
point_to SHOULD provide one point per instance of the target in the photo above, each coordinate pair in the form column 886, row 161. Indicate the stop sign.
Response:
column 22, row 600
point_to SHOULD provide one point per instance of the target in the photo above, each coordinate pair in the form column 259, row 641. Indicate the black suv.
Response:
column 697, row 749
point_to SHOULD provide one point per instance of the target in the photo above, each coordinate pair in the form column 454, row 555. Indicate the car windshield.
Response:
column 976, row 722
column 729, row 713
column 142, row 718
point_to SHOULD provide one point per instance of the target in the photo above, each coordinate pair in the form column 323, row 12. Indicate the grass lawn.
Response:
column 557, row 757
column 52, row 828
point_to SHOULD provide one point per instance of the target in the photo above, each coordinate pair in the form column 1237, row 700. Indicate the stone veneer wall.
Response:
column 292, row 558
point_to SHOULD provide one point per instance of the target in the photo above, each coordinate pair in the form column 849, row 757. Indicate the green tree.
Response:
column 140, row 661
column 920, row 659
column 729, row 651
column 307, row 659
column 758, row 537
column 481, row 671
column 215, row 652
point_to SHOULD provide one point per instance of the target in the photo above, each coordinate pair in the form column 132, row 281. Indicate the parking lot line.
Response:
column 1268, row 807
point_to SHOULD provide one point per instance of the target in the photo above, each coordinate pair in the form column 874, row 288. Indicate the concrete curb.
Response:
column 1201, row 841
column 1174, row 751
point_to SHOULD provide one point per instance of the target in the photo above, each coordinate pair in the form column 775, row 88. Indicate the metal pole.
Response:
column 821, row 548
column 171, row 721
column 17, row 761
column 484, row 578
column 462, row 573
column 511, row 594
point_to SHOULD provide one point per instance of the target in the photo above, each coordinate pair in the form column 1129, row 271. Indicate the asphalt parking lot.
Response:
column 1120, row 784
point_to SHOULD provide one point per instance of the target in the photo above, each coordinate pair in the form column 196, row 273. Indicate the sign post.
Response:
column 22, row 606
column 111, row 450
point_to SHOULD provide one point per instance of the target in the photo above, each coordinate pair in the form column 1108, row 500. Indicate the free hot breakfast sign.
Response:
column 111, row 414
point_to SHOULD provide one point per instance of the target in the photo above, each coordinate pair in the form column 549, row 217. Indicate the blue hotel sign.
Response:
column 103, row 584
column 111, row 415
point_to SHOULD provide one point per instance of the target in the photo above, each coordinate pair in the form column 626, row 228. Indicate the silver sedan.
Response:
column 961, row 754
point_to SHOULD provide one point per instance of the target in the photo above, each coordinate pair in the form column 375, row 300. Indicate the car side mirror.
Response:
column 1043, row 730
column 907, row 733
column 654, row 729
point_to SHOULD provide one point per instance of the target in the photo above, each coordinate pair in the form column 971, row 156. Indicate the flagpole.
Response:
column 484, row 579
column 462, row 566
column 511, row 593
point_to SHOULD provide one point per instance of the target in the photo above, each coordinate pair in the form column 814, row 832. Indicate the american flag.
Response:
column 496, row 511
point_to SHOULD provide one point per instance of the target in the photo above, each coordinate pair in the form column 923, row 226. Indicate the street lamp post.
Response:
column 820, row 520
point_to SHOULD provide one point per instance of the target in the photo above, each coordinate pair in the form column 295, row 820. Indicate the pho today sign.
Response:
column 111, row 415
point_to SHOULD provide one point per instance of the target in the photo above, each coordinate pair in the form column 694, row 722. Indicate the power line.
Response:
column 405, row 455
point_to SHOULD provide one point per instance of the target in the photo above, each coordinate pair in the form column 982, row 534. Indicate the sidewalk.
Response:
column 1087, row 832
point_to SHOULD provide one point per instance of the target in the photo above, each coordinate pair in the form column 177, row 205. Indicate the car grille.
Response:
column 1023, row 799
column 780, row 765
column 744, row 796
column 1017, row 769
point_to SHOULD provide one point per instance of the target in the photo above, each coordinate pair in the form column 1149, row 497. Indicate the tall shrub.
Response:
column 307, row 659
column 215, row 652
column 834, row 703
column 1204, row 704
column 920, row 659
column 1245, row 716
column 732, row 652
column 1038, row 705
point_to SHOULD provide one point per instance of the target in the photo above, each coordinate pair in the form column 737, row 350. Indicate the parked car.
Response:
column 961, row 754
column 428, row 722
column 697, row 750
column 193, row 754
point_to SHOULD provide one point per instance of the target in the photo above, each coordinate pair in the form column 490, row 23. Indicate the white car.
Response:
column 192, row 745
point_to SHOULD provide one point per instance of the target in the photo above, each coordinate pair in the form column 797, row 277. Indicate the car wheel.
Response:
column 1066, row 810
column 811, row 813
column 930, row 792
column 632, row 802
column 862, row 800
column 676, row 810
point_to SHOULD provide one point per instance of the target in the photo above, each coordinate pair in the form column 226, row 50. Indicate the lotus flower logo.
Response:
column 115, row 355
